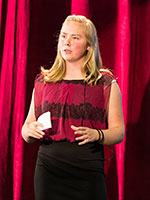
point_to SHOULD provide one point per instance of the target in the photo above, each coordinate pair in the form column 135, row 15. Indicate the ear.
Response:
column 88, row 48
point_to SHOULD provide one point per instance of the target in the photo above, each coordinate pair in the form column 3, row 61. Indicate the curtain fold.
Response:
column 0, row 17
column 6, row 101
column 20, row 71
column 122, row 61
column 138, row 126
column 83, row 9
column 12, row 98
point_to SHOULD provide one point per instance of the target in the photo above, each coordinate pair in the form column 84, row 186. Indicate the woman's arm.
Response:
column 115, row 132
column 30, row 130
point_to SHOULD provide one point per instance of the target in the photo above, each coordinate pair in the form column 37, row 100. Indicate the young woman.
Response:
column 86, row 113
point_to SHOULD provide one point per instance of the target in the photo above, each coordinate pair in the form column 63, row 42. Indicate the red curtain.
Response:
column 28, row 39
column 12, row 95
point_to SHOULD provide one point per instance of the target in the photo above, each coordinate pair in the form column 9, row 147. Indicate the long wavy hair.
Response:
column 93, row 62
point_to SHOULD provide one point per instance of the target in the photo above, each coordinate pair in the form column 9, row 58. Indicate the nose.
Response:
column 68, row 41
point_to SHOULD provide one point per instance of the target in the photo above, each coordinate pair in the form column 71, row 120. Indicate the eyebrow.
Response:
column 74, row 34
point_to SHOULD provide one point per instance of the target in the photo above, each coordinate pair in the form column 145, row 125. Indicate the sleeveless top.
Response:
column 72, row 102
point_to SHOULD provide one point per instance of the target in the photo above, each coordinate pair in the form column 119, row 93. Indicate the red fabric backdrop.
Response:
column 28, row 39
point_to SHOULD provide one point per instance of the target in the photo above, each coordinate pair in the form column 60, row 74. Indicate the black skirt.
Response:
column 67, row 171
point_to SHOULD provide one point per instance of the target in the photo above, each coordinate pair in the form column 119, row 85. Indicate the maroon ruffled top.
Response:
column 72, row 102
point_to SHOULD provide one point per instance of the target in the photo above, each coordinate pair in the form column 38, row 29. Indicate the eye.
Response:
column 63, row 36
column 75, row 37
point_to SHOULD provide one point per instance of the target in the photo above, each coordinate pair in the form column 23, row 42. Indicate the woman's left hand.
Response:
column 87, row 134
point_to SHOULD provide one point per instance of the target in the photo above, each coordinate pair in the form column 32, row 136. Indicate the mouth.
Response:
column 67, row 51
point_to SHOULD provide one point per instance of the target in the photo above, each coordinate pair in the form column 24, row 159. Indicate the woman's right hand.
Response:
column 31, row 131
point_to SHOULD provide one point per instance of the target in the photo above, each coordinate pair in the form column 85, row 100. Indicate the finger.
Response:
column 39, row 136
column 83, row 142
column 35, row 135
column 35, row 127
column 38, row 124
column 78, row 128
column 39, row 131
column 35, row 132
column 74, row 127
column 80, row 132
column 82, row 137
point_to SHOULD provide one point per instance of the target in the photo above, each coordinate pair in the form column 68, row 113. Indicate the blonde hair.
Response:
column 93, row 61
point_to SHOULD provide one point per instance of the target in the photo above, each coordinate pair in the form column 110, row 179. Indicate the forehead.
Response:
column 72, row 27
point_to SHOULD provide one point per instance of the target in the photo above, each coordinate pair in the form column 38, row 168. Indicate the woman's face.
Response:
column 73, row 42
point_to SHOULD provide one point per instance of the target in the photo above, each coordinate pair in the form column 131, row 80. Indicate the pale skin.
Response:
column 73, row 46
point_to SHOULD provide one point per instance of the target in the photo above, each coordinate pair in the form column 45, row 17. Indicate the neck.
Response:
column 74, row 71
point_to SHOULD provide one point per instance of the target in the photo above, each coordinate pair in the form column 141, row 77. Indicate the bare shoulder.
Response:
column 115, row 89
